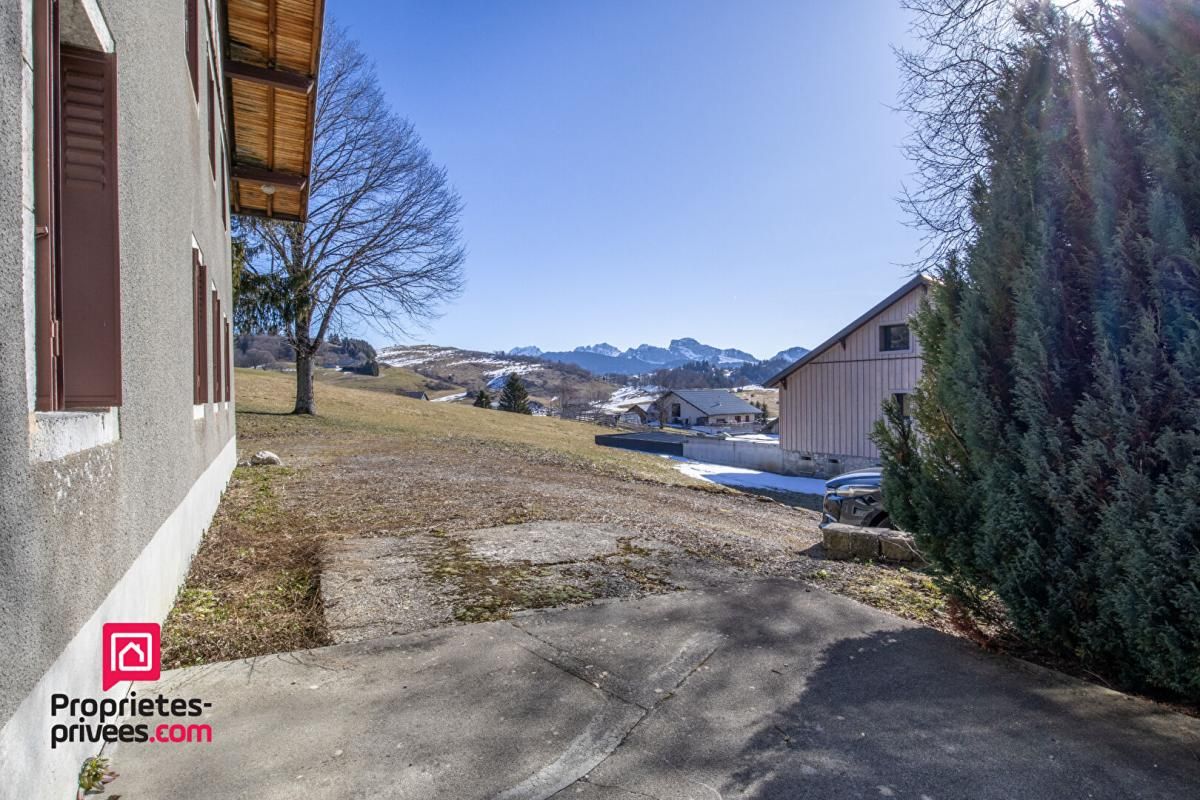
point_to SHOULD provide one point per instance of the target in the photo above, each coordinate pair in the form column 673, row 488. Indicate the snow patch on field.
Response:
column 450, row 398
column 764, row 438
column 412, row 356
column 498, row 377
column 738, row 477
column 626, row 396
column 512, row 368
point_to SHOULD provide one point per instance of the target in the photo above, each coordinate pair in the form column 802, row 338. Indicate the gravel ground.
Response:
column 433, row 504
column 291, row 562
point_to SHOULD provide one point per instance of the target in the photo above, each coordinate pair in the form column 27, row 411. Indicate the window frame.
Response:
column 200, row 283
column 884, row 340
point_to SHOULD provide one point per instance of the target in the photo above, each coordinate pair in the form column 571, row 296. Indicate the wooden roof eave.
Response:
column 271, row 64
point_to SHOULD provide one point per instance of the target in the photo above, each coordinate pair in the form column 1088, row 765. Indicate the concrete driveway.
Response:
column 766, row 690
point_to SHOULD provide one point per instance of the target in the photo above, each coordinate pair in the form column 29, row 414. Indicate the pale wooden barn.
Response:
column 830, row 398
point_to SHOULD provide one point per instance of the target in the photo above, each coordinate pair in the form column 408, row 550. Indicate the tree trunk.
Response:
column 305, row 402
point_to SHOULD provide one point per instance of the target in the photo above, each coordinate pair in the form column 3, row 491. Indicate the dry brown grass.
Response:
column 390, row 380
column 251, row 589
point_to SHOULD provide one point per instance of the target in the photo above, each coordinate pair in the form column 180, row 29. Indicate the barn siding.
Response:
column 830, row 405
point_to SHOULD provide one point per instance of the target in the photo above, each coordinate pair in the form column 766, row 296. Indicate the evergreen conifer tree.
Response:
column 483, row 399
column 514, row 398
column 1058, row 456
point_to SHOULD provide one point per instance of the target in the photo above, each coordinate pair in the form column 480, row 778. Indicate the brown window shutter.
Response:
column 45, row 121
column 216, row 346
column 199, row 329
column 191, row 29
column 89, row 257
column 212, row 123
column 228, row 365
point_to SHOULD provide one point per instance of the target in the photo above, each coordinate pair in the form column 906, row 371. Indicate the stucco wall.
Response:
column 72, row 526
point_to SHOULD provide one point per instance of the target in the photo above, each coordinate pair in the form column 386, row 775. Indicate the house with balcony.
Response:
column 130, row 132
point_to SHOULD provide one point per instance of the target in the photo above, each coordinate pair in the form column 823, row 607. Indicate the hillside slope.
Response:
column 473, row 370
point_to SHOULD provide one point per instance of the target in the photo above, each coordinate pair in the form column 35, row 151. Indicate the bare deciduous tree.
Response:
column 382, row 241
column 948, row 82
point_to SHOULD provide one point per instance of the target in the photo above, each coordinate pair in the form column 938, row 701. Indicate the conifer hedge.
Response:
column 1055, row 458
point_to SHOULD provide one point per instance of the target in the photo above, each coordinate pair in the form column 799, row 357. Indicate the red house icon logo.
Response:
column 131, row 652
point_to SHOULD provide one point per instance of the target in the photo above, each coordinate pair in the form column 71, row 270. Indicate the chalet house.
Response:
column 708, row 407
column 830, row 398
column 638, row 414
column 128, row 132
column 413, row 395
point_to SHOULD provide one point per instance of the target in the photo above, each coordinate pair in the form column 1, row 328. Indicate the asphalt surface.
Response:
column 768, row 689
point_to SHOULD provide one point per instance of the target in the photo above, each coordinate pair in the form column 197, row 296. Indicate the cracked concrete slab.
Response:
column 768, row 689
column 390, row 585
column 554, row 542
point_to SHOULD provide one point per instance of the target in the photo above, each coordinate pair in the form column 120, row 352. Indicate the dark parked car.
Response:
column 856, row 498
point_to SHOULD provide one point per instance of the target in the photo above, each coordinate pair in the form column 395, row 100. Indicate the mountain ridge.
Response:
column 603, row 358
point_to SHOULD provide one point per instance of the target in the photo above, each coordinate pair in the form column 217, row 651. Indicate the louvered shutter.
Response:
column 89, row 258
column 199, row 330
column 216, row 346
column 228, row 365
column 191, row 30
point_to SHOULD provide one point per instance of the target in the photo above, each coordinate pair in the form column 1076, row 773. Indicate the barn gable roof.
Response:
column 878, row 308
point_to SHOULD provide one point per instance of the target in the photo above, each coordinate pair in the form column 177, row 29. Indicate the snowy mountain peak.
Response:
column 602, row 349
column 791, row 354
column 531, row 350
column 695, row 351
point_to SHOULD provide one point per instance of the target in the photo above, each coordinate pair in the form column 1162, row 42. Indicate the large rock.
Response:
column 898, row 546
column 838, row 541
column 265, row 458
column 843, row 542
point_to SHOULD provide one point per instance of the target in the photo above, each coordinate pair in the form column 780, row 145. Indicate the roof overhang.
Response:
column 272, row 57
column 878, row 308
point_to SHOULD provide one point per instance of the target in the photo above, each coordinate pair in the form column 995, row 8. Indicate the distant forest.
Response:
column 274, row 352
column 705, row 375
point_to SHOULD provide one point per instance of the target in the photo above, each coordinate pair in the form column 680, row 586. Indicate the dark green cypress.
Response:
column 1058, row 456
column 514, row 398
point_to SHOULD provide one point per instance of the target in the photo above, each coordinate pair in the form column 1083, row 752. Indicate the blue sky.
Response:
column 640, row 171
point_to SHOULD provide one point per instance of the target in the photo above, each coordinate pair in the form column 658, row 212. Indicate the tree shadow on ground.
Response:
column 813, row 699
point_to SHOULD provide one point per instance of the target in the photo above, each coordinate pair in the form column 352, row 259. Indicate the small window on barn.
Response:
column 78, row 334
column 902, row 403
column 191, row 32
column 894, row 337
column 199, row 329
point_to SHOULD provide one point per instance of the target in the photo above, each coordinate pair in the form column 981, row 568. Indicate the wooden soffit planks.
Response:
column 271, row 61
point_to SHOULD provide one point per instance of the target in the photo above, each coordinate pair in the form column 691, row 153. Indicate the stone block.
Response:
column 838, row 541
column 895, row 546
column 864, row 544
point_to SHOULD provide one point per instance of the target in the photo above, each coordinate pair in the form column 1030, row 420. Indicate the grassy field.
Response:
column 390, row 380
column 264, row 399
column 768, row 396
